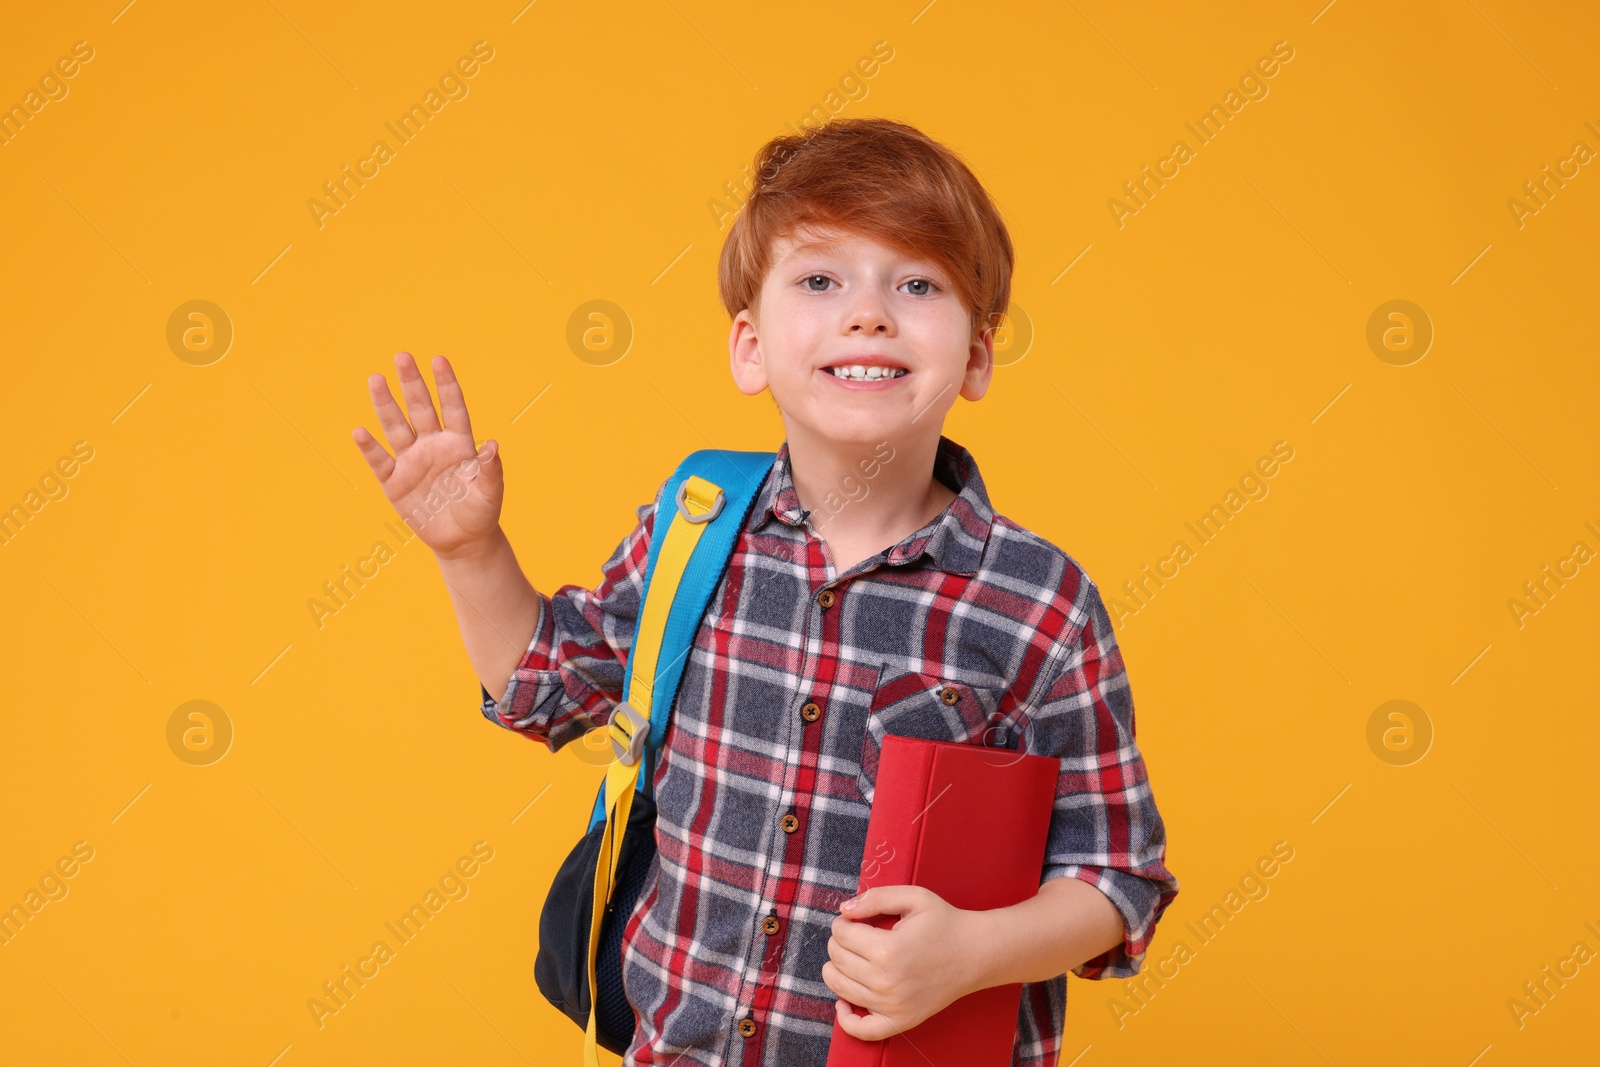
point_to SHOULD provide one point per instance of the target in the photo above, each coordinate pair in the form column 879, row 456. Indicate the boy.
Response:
column 873, row 591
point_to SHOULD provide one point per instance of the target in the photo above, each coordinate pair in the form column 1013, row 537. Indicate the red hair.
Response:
column 880, row 179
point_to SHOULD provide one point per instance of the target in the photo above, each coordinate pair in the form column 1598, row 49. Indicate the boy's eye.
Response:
column 814, row 277
column 921, row 281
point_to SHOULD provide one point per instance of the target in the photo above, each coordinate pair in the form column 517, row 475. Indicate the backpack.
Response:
column 599, row 884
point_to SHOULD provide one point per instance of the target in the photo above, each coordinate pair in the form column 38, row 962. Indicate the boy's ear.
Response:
column 980, row 365
column 744, row 355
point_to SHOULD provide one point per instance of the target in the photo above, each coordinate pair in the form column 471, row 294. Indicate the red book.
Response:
column 970, row 823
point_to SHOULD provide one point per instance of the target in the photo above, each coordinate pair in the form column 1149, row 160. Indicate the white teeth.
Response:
column 859, row 373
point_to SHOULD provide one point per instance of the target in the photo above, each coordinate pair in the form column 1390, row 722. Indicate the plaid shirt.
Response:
column 794, row 678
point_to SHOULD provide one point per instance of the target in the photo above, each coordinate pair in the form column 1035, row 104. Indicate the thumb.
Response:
column 491, row 475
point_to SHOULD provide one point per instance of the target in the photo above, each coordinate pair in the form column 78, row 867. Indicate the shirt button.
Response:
column 790, row 823
column 747, row 1026
column 949, row 695
column 770, row 924
column 811, row 712
column 825, row 598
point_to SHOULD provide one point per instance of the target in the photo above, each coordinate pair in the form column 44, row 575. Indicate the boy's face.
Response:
column 844, row 303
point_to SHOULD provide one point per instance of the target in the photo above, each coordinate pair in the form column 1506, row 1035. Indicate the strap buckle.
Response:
column 625, row 722
column 707, row 516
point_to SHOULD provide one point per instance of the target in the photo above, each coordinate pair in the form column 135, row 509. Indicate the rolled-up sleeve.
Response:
column 572, row 673
column 1105, row 828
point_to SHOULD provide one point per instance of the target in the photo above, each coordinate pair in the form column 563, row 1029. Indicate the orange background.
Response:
column 1229, row 313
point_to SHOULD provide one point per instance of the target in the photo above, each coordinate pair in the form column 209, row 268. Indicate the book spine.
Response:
column 895, row 828
column 888, row 858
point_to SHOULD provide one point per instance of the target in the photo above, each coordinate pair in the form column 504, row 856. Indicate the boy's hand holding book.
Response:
column 906, row 972
column 903, row 974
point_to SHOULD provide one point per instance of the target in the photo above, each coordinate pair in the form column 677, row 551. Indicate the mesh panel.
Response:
column 616, row 1014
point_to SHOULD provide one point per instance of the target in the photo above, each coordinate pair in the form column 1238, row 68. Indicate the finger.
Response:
column 865, row 968
column 862, row 940
column 452, row 404
column 419, row 402
column 848, row 987
column 869, row 1027
column 376, row 455
column 849, row 1021
column 395, row 427
column 886, row 900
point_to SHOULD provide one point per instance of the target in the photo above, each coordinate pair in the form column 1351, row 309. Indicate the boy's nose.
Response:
column 869, row 313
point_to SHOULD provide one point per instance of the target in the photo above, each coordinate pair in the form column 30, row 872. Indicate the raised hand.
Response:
column 447, row 490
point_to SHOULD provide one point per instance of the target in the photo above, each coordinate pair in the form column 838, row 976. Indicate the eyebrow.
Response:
column 818, row 245
column 836, row 244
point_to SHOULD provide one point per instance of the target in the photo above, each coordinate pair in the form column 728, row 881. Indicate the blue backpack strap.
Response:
column 739, row 475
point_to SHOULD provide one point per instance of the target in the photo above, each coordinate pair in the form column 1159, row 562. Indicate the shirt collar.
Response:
column 953, row 541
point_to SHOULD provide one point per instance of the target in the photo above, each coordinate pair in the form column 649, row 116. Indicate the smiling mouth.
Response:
column 857, row 373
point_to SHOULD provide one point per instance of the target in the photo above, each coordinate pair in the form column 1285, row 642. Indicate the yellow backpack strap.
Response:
column 629, row 725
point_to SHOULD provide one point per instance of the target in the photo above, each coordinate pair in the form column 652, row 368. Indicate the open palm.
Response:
column 432, row 480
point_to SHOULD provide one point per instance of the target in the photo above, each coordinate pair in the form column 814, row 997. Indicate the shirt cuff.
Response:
column 536, row 705
column 1140, row 901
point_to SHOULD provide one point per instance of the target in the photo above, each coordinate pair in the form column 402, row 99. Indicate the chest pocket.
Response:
column 910, row 704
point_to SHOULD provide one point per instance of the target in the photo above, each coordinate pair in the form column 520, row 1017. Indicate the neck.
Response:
column 867, row 494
